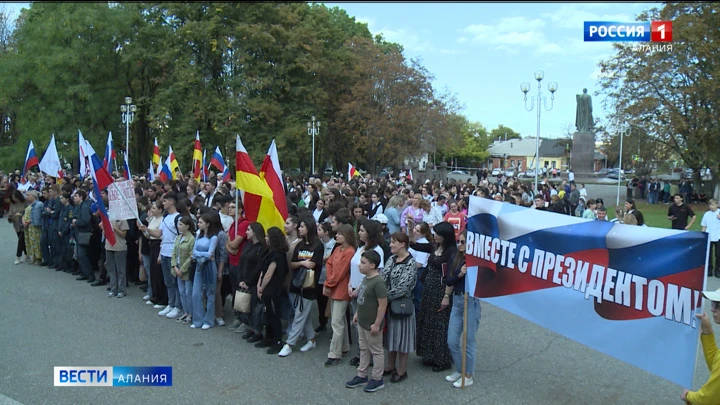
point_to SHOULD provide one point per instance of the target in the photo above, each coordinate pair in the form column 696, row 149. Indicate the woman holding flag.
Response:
column 455, row 285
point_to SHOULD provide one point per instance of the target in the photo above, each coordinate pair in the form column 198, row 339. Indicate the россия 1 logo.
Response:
column 656, row 31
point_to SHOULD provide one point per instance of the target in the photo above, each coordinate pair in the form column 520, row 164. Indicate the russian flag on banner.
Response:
column 156, row 154
column 126, row 167
column 165, row 171
column 219, row 163
column 31, row 159
column 612, row 287
column 197, row 158
column 109, row 153
column 101, row 180
column 268, row 211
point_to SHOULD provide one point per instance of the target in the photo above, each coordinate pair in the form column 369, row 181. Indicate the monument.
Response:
column 582, row 160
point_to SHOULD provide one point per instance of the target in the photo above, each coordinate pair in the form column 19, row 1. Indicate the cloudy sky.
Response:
column 483, row 51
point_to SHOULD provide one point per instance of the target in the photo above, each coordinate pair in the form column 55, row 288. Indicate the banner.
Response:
column 120, row 209
column 628, row 291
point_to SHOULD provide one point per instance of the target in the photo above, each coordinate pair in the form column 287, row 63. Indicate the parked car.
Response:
column 602, row 172
column 496, row 171
column 614, row 173
column 460, row 172
column 688, row 174
column 528, row 173
column 510, row 172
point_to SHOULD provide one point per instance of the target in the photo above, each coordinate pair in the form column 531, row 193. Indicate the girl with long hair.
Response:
column 335, row 288
column 455, row 287
column 434, row 316
column 205, row 273
column 308, row 256
column 249, row 273
column 271, row 288
column 181, row 262
column 15, row 214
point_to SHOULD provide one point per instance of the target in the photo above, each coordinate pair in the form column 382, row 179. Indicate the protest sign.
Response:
column 120, row 209
column 628, row 291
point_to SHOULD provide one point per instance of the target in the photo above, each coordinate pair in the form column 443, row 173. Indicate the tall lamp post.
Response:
column 313, row 129
column 525, row 88
column 127, row 112
column 622, row 130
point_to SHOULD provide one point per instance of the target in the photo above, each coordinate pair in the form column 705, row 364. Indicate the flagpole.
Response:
column 116, row 170
column 464, row 342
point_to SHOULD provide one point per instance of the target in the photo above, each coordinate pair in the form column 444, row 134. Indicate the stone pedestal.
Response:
column 583, row 154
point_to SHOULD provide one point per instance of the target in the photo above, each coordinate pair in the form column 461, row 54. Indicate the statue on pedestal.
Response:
column 583, row 116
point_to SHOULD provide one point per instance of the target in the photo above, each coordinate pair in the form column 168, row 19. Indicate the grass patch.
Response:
column 656, row 215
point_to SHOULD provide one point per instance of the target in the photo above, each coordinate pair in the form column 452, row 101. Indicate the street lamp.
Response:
column 622, row 129
column 313, row 129
column 525, row 88
column 127, row 112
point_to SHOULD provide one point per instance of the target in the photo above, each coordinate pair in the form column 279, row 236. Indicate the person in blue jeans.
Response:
column 204, row 285
column 455, row 285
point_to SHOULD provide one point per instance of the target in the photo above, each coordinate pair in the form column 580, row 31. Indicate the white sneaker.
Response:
column 146, row 297
column 453, row 377
column 148, row 302
column 173, row 314
column 158, row 306
column 165, row 311
column 286, row 350
column 458, row 383
column 206, row 326
column 308, row 346
column 220, row 321
column 17, row 260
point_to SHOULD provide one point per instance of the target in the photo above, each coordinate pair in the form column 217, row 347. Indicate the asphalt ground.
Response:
column 50, row 319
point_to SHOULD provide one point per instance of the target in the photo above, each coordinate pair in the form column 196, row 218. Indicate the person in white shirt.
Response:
column 571, row 176
column 583, row 192
column 222, row 204
column 440, row 205
column 711, row 224
column 210, row 191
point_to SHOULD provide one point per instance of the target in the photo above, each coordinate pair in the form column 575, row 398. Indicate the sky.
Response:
column 482, row 52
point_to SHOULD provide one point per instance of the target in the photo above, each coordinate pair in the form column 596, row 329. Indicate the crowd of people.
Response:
column 383, row 259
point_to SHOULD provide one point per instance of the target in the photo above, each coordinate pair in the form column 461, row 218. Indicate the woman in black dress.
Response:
column 433, row 319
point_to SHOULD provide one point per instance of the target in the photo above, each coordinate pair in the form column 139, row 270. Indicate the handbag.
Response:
column 298, row 278
column 242, row 301
column 309, row 279
column 401, row 307
column 83, row 238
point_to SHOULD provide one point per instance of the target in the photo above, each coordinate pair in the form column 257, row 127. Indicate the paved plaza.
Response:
column 50, row 319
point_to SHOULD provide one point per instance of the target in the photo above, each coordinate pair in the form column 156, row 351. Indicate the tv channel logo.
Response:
column 605, row 31
column 113, row 376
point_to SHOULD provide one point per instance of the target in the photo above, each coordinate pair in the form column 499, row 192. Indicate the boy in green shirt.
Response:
column 372, row 302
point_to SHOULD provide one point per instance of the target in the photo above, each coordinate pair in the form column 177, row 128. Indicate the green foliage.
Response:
column 258, row 70
column 503, row 132
column 672, row 94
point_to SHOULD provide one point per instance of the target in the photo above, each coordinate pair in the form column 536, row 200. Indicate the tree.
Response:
column 502, row 132
column 391, row 111
column 672, row 94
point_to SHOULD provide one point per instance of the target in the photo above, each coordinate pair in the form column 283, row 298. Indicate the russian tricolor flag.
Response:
column 31, row 159
column 101, row 180
column 218, row 161
column 165, row 173
column 109, row 153
column 126, row 168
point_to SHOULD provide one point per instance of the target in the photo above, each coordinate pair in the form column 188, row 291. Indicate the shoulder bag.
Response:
column 401, row 307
